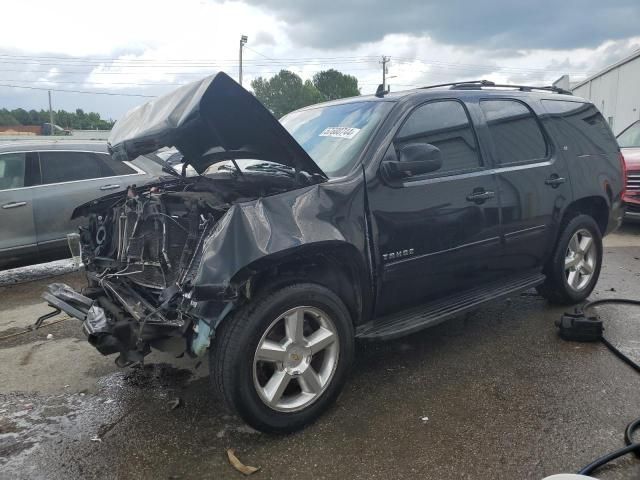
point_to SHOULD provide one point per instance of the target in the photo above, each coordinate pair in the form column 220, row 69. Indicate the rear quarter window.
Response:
column 581, row 127
column 113, row 167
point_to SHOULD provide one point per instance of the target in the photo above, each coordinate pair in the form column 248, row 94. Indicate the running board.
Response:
column 427, row 315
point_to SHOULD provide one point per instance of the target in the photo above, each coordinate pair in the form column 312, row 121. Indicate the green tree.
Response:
column 77, row 120
column 333, row 84
column 33, row 118
column 7, row 119
column 285, row 92
column 21, row 115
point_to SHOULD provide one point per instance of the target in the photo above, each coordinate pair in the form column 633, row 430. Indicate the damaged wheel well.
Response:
column 337, row 268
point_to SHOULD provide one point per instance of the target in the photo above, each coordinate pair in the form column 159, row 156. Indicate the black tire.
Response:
column 233, row 349
column 556, row 287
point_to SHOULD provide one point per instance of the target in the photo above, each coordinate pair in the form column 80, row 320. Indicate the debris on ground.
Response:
column 424, row 419
column 238, row 465
column 175, row 403
column 50, row 336
column 96, row 438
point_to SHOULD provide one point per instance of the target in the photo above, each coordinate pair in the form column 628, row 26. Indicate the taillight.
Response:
column 623, row 165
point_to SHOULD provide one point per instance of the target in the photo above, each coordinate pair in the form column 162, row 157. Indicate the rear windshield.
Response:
column 334, row 136
column 582, row 128
column 630, row 137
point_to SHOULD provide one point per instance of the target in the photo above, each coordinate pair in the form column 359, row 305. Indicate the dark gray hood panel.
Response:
column 213, row 115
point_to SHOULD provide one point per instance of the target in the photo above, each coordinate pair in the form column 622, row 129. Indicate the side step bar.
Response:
column 416, row 318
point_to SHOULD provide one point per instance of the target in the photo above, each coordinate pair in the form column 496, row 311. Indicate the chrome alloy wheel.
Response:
column 295, row 359
column 580, row 260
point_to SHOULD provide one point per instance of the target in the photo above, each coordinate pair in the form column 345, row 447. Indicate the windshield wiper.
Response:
column 272, row 167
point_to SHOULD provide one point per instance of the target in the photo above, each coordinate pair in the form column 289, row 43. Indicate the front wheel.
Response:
column 574, row 268
column 282, row 359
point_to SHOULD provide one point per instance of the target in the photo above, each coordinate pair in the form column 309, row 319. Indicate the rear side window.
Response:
column 582, row 128
column 114, row 167
column 515, row 131
column 630, row 137
column 60, row 167
column 12, row 170
column 444, row 124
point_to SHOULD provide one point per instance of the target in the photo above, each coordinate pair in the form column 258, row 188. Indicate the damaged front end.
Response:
column 142, row 249
column 141, row 254
column 139, row 257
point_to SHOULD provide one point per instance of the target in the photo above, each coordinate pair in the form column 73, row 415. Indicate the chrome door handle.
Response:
column 480, row 196
column 14, row 205
column 555, row 181
column 109, row 187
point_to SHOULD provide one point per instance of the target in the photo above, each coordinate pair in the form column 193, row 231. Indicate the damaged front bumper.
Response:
column 129, row 328
column 102, row 331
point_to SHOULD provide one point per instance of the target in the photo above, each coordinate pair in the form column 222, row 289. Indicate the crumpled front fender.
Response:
column 279, row 225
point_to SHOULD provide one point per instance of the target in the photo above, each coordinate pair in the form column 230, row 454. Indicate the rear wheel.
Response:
column 282, row 359
column 574, row 268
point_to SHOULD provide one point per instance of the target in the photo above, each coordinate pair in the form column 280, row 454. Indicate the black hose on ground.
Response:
column 631, row 446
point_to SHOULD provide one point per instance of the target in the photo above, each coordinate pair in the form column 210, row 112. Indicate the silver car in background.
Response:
column 41, row 183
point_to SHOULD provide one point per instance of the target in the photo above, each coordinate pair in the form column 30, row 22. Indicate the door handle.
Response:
column 109, row 187
column 480, row 196
column 555, row 181
column 14, row 205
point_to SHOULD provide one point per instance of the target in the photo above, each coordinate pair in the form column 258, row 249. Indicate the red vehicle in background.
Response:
column 629, row 141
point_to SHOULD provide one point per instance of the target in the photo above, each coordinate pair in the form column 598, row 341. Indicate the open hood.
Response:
column 208, row 121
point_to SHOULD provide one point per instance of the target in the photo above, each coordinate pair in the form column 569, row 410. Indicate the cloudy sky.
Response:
column 137, row 48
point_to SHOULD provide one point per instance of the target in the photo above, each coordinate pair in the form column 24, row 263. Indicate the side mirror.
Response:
column 414, row 159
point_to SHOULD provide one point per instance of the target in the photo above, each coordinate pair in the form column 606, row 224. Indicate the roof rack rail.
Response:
column 478, row 84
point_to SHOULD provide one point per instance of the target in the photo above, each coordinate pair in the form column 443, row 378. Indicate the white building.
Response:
column 615, row 91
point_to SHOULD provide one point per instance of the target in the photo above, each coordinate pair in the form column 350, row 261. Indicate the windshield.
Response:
column 630, row 137
column 334, row 136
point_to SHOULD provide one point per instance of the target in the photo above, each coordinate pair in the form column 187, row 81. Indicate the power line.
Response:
column 78, row 91
column 255, row 51
column 182, row 60
column 186, row 63
column 80, row 82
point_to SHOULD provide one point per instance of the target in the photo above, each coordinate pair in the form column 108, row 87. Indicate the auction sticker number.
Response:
column 340, row 132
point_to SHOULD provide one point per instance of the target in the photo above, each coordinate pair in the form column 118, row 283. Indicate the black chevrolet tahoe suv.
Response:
column 364, row 218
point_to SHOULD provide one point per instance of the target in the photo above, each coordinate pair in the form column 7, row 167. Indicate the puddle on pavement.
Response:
column 137, row 398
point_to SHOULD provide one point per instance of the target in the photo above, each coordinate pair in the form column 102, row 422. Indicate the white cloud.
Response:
column 155, row 40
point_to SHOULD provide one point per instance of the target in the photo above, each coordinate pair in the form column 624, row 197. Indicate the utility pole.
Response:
column 243, row 41
column 50, row 114
column 384, row 62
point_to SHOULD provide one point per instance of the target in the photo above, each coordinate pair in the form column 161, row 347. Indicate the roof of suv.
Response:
column 462, row 91
column 8, row 146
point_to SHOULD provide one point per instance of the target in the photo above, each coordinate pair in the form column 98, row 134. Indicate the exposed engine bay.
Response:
column 166, row 262
column 141, row 250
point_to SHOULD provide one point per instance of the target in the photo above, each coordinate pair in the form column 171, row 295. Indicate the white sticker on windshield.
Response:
column 339, row 132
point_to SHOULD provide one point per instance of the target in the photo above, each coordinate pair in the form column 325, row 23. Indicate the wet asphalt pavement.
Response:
column 493, row 395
